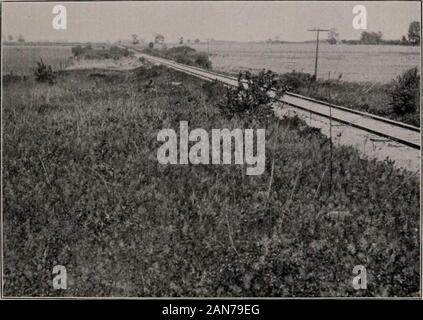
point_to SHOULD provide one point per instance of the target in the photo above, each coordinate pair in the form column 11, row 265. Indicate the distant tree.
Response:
column 332, row 36
column 21, row 39
column 414, row 32
column 151, row 45
column 371, row 37
column 135, row 39
column 158, row 38
column 197, row 40
column 10, row 37
column 404, row 39
column 181, row 40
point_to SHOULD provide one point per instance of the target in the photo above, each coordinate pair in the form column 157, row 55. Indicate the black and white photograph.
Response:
column 211, row 149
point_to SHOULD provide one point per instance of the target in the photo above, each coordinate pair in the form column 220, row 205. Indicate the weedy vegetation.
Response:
column 82, row 188
column 44, row 73
column 19, row 61
column 252, row 99
column 405, row 93
column 398, row 100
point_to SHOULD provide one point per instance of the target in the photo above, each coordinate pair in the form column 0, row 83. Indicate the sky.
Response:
column 220, row 20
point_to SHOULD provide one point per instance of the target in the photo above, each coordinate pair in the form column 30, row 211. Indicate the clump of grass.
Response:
column 44, row 73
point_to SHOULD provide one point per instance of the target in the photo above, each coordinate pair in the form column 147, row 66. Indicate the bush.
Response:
column 405, row 95
column 182, row 58
column 294, row 81
column 202, row 60
column 252, row 97
column 44, row 73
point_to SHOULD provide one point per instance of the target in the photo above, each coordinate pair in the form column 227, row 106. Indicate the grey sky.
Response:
column 243, row 21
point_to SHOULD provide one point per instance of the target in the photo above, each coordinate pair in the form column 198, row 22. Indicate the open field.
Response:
column 369, row 63
column 21, row 60
column 83, row 188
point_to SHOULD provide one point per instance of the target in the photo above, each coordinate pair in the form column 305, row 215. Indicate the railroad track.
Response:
column 392, row 130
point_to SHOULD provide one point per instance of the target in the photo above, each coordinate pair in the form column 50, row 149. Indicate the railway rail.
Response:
column 392, row 130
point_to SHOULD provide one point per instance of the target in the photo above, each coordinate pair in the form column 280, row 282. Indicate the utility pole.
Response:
column 317, row 30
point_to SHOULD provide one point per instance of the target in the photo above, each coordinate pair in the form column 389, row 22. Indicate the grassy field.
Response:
column 83, row 188
column 20, row 60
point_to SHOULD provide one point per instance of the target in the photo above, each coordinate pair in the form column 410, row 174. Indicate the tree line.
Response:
column 369, row 37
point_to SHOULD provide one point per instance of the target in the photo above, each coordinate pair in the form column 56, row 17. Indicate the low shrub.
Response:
column 44, row 73
column 202, row 60
column 295, row 80
column 253, row 97
column 405, row 93
column 183, row 58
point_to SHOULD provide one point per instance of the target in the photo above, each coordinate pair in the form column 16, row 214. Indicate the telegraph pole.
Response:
column 317, row 30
